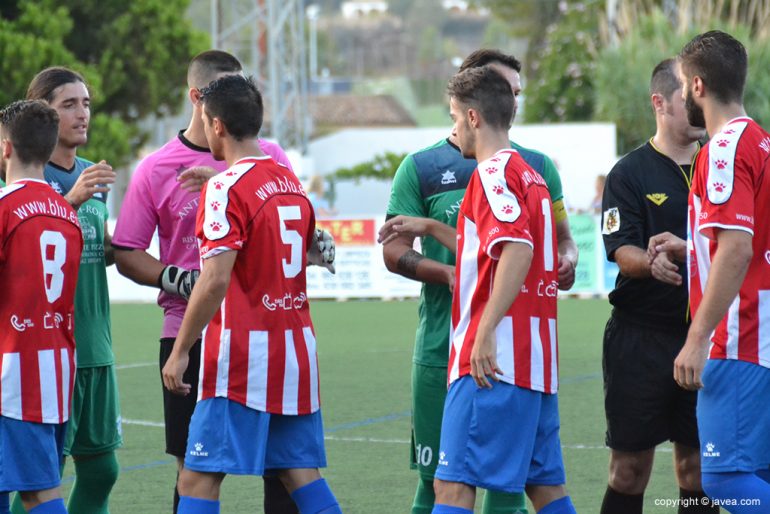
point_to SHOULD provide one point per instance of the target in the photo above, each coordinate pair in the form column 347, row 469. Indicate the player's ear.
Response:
column 698, row 88
column 194, row 94
column 657, row 102
column 219, row 128
column 7, row 148
column 473, row 118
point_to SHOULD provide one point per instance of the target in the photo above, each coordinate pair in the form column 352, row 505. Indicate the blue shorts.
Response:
column 501, row 439
column 734, row 417
column 227, row 437
column 30, row 455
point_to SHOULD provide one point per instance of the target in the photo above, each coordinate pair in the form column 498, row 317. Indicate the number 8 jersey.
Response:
column 259, row 349
column 507, row 201
column 39, row 261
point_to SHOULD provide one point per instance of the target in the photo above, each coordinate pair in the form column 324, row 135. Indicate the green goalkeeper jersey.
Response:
column 430, row 183
column 93, row 340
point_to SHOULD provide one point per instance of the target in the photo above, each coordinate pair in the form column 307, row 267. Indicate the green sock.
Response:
column 16, row 506
column 94, row 478
column 423, row 498
column 496, row 502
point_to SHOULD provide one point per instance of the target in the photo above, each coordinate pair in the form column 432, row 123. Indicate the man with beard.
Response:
column 646, row 194
column 728, row 241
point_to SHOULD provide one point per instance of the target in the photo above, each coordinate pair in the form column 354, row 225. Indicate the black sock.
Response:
column 277, row 499
column 691, row 502
column 618, row 503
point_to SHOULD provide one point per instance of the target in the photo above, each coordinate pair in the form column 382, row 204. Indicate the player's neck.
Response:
column 64, row 156
column 18, row 171
column 679, row 151
column 237, row 150
column 194, row 132
column 718, row 114
column 489, row 142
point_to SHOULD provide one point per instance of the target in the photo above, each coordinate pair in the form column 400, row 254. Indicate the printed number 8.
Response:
column 53, row 267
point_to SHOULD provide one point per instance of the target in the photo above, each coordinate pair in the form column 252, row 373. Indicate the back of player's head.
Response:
column 206, row 66
column 32, row 127
column 486, row 56
column 665, row 80
column 486, row 91
column 236, row 101
column 45, row 83
column 720, row 61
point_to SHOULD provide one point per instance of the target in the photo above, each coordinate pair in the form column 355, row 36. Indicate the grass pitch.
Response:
column 365, row 351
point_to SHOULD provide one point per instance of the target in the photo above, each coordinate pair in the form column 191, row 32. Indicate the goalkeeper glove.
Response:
column 178, row 281
column 322, row 251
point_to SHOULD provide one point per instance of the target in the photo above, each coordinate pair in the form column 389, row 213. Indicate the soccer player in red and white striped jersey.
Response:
column 727, row 351
column 259, row 406
column 39, row 260
column 503, row 355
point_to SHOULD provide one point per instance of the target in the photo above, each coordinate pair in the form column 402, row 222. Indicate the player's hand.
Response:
column 178, row 281
column 92, row 180
column 192, row 179
column 323, row 250
column 484, row 359
column 667, row 242
column 665, row 270
column 566, row 273
column 689, row 364
column 173, row 372
column 403, row 226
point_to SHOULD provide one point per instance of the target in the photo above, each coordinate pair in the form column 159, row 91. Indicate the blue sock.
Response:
column 5, row 503
column 190, row 505
column 440, row 508
column 561, row 506
column 738, row 486
column 50, row 507
column 316, row 498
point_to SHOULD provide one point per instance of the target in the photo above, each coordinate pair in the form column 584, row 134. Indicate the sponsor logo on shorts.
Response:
column 710, row 447
column 198, row 451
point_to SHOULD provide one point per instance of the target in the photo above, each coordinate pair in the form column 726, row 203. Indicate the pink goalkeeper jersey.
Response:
column 154, row 200
column 507, row 201
column 259, row 348
column 729, row 192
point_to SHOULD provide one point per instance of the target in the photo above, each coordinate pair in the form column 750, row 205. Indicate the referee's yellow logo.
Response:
column 657, row 198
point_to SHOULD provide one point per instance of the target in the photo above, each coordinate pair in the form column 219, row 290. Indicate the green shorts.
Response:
column 429, row 388
column 94, row 423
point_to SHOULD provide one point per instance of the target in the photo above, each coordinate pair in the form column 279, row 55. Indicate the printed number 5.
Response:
column 52, row 267
column 292, row 238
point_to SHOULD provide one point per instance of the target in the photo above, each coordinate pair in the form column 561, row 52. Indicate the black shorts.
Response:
column 643, row 404
column 177, row 410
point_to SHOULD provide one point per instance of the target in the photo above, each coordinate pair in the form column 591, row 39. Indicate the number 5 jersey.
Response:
column 39, row 261
column 259, row 349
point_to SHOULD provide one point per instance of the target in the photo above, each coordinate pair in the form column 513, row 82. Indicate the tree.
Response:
column 133, row 54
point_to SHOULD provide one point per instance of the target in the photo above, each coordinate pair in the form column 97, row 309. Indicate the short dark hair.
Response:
column 205, row 67
column 664, row 80
column 487, row 91
column 47, row 81
column 486, row 56
column 32, row 127
column 236, row 101
column 720, row 61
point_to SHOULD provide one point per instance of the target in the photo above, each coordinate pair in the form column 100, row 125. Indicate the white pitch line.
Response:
column 136, row 365
column 365, row 440
column 143, row 423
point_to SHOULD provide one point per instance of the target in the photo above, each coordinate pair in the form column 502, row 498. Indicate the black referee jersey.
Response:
column 646, row 194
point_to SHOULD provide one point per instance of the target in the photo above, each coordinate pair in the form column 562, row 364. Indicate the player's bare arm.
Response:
column 511, row 271
column 633, row 261
column 728, row 269
column 109, row 251
column 204, row 302
column 138, row 265
column 418, row 227
column 568, row 255
column 401, row 258
column 92, row 180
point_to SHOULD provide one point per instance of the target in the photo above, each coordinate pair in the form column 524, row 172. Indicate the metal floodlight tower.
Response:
column 269, row 37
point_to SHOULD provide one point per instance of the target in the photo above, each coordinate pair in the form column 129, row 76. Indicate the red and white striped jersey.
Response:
column 507, row 201
column 729, row 192
column 39, row 262
column 259, row 349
